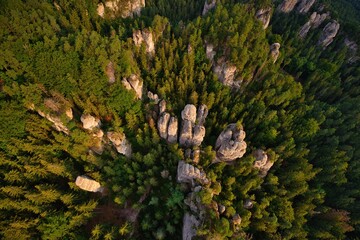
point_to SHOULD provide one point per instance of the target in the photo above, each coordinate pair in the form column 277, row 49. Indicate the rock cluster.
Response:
column 328, row 34
column 352, row 50
column 88, row 184
column 130, row 8
column 187, row 173
column 314, row 22
column 89, row 122
column 230, row 144
column 192, row 129
column 226, row 73
column 209, row 4
column 145, row 36
column 274, row 51
column 120, row 142
column 248, row 204
column 190, row 224
column 153, row 96
column 303, row 5
column 262, row 162
column 210, row 53
column 134, row 83
column 167, row 125
column 110, row 72
column 264, row 16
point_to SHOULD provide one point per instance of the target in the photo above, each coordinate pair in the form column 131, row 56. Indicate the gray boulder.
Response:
column 225, row 72
column 162, row 125
column 110, row 72
column 185, row 138
column 189, row 113
column 88, row 184
column 274, row 51
column 264, row 16
column 134, row 83
column 352, row 50
column 89, row 122
column 201, row 114
column 262, row 162
column 146, row 37
column 190, row 224
column 314, row 22
column 328, row 34
column 172, row 131
column 287, row 5
column 120, row 142
column 209, row 4
column 305, row 6
column 187, row 173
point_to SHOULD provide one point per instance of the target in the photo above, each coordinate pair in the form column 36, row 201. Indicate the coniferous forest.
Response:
column 183, row 119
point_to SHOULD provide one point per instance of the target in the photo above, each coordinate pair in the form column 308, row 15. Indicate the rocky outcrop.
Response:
column 89, row 122
column 248, row 204
column 226, row 73
column 236, row 220
column 187, row 173
column 328, row 34
column 110, row 72
column 230, row 144
column 190, row 224
column 134, row 83
column 209, row 4
column 88, row 184
column 287, row 5
column 146, row 37
column 210, row 53
column 352, row 50
column 162, row 124
column 264, row 16
column 153, row 96
column 97, row 144
column 120, row 142
column 192, row 130
column 127, row 8
column 162, row 106
column 274, row 51
column 172, row 131
column 262, row 162
column 314, row 22
column 305, row 6
column 221, row 208
column 167, row 125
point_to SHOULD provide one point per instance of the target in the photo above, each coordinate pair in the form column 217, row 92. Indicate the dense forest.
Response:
column 66, row 63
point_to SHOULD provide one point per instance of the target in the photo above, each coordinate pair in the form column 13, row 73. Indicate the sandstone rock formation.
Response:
column 236, row 220
column 210, row 53
column 172, row 131
column 189, row 113
column 120, row 142
column 89, row 122
column 167, row 125
column 287, row 5
column 153, row 96
column 262, row 162
column 135, row 83
column 264, row 16
column 314, row 22
column 162, row 124
column 145, row 36
column 274, row 51
column 162, row 106
column 97, row 144
column 112, row 7
column 190, row 224
column 230, row 144
column 185, row 138
column 328, row 34
column 352, row 50
column 305, row 6
column 209, row 4
column 226, row 73
column 201, row 114
column 88, row 184
column 110, row 72
column 221, row 208
column 248, row 204
column 187, row 173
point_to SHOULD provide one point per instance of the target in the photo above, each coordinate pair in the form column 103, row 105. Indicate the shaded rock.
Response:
column 120, row 142
column 135, row 83
column 210, row 53
column 236, row 220
column 187, row 173
column 264, row 16
column 352, row 50
column 164, row 173
column 101, row 10
column 328, row 34
column 162, row 106
column 162, row 125
column 198, row 136
column 188, row 153
column 226, row 73
column 248, row 204
column 186, row 133
column 221, row 208
column 287, row 5
column 189, row 113
column 89, row 122
column 274, row 51
column 209, row 4
column 88, row 184
column 193, row 201
column 262, row 162
column 153, row 96
column 190, row 224
column 201, row 114
column 314, row 22
column 172, row 131
column 145, row 36
column 230, row 144
column 110, row 72
column 305, row 6
column 127, row 8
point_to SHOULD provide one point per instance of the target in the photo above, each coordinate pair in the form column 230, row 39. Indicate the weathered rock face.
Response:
column 189, row 113
column 135, row 83
column 201, row 114
column 186, row 133
column 90, row 122
column 248, row 204
column 305, row 6
column 190, row 224
column 129, row 9
column 314, row 22
column 236, row 220
column 262, row 162
column 264, row 16
column 230, row 145
column 144, row 36
column 352, row 50
column 110, row 72
column 162, row 106
column 328, row 34
column 226, row 73
column 198, row 136
column 210, row 53
column 209, row 4
column 187, row 173
column 287, row 5
column 274, row 51
column 162, row 124
column 172, row 131
column 88, row 184
column 221, row 209
column 97, row 145
column 153, row 96
column 120, row 142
